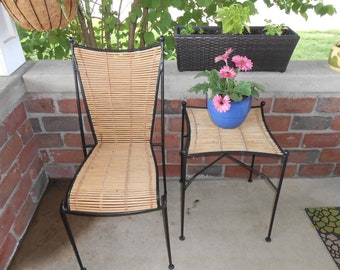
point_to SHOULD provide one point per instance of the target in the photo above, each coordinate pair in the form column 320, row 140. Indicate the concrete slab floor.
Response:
column 225, row 229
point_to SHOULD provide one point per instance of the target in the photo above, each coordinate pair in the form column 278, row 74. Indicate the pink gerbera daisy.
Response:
column 242, row 62
column 224, row 57
column 227, row 72
column 221, row 104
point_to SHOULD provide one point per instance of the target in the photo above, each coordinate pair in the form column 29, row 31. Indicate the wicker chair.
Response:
column 121, row 171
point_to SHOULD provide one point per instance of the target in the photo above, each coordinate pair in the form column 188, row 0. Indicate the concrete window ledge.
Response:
column 301, row 79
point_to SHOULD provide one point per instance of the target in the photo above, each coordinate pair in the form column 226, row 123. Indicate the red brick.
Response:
column 328, row 105
column 195, row 160
column 262, row 160
column 86, row 124
column 197, row 102
column 7, row 251
column 291, row 171
column 40, row 105
column 24, row 217
column 8, row 184
column 70, row 106
column 175, row 124
column 234, row 171
column 321, row 140
column 6, row 220
column 336, row 123
column 72, row 140
column 303, row 156
column 22, row 192
column 157, row 127
column 67, row 155
column 210, row 158
column 173, row 157
column 28, row 154
column 315, row 170
column 15, row 119
column 49, row 140
column 89, row 140
column 215, row 170
column 273, row 171
column 173, row 106
column 35, row 122
column 311, row 122
column 3, row 135
column 25, row 131
column 173, row 170
column 287, row 140
column 172, row 141
column 278, row 123
column 60, row 172
column 63, row 123
column 330, row 155
column 294, row 105
column 9, row 153
column 337, row 170
column 267, row 106
column 35, row 168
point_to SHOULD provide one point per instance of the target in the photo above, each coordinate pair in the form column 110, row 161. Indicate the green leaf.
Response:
column 155, row 3
column 149, row 38
column 203, row 3
column 59, row 52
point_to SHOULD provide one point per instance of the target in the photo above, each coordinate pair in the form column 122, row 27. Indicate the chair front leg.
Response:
column 63, row 213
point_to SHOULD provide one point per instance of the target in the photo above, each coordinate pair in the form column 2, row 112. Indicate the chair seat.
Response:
column 106, row 184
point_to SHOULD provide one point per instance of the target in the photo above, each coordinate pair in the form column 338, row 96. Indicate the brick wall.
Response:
column 22, row 180
column 308, row 127
column 45, row 131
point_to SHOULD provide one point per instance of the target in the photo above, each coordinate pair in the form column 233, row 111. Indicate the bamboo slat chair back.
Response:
column 119, row 93
column 120, row 90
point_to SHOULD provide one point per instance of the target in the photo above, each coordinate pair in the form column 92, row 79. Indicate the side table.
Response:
column 201, row 137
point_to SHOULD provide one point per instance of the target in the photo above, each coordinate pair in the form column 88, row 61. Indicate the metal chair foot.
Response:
column 268, row 239
column 182, row 238
column 171, row 266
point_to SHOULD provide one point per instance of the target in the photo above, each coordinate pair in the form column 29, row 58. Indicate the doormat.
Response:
column 326, row 221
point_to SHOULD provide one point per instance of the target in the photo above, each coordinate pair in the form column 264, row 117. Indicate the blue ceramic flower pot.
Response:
column 232, row 118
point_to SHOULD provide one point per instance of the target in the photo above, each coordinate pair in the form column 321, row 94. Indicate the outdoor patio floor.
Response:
column 225, row 229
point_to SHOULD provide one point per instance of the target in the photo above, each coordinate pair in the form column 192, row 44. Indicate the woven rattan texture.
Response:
column 41, row 15
column 268, row 53
column 120, row 92
column 120, row 175
column 251, row 136
column 116, row 178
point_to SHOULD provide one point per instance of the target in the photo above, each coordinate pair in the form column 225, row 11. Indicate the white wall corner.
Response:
column 11, row 54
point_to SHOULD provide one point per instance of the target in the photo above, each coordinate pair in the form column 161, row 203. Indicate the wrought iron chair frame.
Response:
column 88, row 148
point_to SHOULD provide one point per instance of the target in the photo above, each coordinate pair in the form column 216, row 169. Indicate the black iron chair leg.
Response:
column 70, row 235
column 166, row 230
column 250, row 179
column 278, row 191
column 182, row 209
column 183, row 182
column 268, row 239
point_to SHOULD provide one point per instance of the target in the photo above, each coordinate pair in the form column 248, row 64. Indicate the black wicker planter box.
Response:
column 197, row 52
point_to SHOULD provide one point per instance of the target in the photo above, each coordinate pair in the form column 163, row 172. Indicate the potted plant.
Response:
column 228, row 100
column 42, row 15
column 334, row 57
column 270, row 47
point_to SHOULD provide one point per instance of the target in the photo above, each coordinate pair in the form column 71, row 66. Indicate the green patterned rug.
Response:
column 326, row 221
